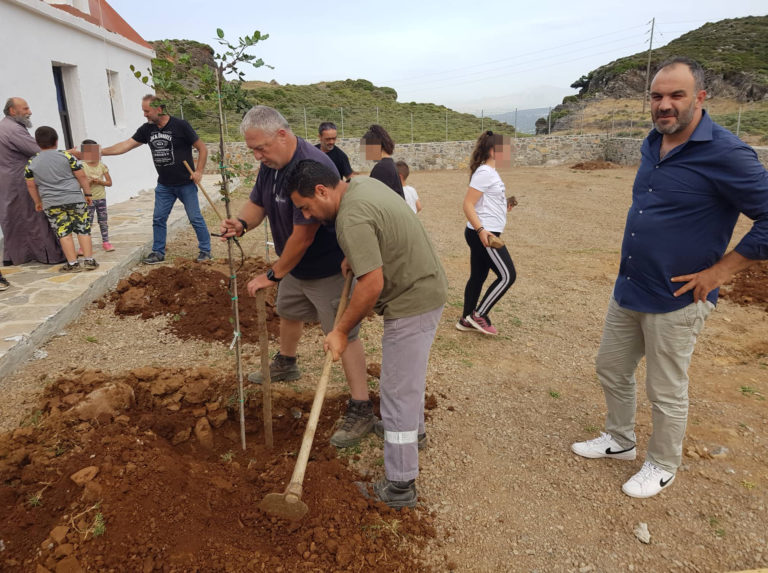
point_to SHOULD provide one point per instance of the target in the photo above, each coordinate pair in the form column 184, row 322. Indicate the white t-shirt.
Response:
column 411, row 197
column 491, row 208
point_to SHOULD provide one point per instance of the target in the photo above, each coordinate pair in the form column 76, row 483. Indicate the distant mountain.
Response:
column 524, row 121
column 733, row 52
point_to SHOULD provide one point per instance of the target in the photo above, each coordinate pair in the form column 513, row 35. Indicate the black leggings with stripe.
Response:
column 481, row 260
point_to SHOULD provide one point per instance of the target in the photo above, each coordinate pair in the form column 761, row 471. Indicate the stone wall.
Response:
column 542, row 150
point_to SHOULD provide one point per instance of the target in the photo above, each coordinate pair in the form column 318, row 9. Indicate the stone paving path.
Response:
column 42, row 301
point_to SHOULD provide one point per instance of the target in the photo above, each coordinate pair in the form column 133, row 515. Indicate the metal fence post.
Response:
column 411, row 127
column 377, row 114
column 482, row 121
column 342, row 121
column 306, row 133
column 738, row 123
column 446, row 125
column 515, row 123
column 549, row 121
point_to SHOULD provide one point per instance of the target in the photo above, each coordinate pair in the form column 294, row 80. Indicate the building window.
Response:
column 61, row 98
column 115, row 97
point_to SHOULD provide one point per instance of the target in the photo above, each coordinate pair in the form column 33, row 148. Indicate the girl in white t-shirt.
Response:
column 485, row 206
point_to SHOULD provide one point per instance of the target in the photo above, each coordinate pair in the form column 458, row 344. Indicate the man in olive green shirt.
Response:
column 400, row 277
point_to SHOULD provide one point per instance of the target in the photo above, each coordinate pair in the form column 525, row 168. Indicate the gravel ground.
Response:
column 507, row 493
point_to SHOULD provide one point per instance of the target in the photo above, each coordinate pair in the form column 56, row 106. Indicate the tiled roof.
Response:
column 103, row 15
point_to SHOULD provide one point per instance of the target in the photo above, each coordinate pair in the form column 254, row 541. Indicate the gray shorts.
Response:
column 313, row 300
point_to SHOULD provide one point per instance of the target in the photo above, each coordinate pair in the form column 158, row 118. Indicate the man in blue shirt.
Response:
column 695, row 177
column 309, row 267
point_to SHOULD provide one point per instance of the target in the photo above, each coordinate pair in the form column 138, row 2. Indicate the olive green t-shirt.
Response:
column 376, row 228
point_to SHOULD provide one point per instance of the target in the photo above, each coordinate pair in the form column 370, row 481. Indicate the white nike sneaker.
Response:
column 649, row 481
column 603, row 447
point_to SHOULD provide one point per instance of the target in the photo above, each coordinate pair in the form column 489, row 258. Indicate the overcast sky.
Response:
column 493, row 55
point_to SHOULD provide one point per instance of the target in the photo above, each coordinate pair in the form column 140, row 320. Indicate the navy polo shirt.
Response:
column 684, row 208
column 323, row 257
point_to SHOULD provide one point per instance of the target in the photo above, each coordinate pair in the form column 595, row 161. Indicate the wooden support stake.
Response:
column 261, row 306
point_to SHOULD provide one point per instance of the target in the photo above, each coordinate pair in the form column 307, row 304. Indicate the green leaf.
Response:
column 219, row 32
column 145, row 79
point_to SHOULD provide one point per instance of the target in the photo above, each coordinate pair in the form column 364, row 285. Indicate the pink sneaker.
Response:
column 481, row 324
column 107, row 246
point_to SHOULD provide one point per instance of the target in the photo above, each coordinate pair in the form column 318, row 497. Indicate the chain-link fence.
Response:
column 430, row 123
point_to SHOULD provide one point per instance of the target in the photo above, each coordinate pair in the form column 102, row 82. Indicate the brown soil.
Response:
column 594, row 165
column 749, row 287
column 498, row 481
column 173, row 487
column 197, row 298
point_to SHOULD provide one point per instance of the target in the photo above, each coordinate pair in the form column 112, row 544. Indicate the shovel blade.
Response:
column 276, row 504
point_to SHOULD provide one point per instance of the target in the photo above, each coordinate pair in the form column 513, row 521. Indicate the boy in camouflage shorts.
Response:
column 54, row 181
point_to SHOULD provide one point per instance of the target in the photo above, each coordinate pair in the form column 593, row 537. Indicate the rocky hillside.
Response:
column 733, row 52
column 353, row 104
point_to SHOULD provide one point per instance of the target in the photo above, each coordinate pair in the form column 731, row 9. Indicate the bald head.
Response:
column 18, row 109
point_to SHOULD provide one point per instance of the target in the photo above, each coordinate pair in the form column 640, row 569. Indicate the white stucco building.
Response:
column 70, row 60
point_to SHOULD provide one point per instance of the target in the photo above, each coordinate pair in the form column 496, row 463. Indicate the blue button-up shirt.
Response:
column 684, row 209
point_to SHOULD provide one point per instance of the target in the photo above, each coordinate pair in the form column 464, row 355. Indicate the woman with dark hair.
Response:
column 378, row 146
column 486, row 207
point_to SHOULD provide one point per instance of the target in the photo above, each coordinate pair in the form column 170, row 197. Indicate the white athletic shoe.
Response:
column 603, row 447
column 649, row 481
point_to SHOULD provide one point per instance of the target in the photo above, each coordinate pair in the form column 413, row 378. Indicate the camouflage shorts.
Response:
column 68, row 219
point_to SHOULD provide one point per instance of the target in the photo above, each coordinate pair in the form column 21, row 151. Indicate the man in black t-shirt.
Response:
column 171, row 141
column 309, row 267
column 327, row 134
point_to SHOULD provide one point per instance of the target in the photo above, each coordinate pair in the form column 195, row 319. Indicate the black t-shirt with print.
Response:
column 170, row 146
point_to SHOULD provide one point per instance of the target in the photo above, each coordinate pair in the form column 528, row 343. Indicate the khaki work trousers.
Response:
column 667, row 341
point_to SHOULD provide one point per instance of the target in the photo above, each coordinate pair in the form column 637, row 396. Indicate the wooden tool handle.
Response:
column 309, row 434
column 204, row 193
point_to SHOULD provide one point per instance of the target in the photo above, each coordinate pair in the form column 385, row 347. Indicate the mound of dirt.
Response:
column 155, row 480
column 594, row 165
column 197, row 298
column 749, row 286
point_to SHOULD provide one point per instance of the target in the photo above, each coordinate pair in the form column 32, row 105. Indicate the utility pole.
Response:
column 648, row 68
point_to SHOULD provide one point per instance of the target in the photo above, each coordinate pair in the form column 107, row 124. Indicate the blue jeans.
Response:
column 165, row 197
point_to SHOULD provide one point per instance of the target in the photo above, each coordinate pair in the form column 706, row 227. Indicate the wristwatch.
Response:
column 271, row 276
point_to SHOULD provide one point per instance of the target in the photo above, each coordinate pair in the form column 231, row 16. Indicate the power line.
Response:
column 516, row 57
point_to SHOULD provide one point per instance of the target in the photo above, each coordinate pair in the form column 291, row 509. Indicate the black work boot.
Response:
column 281, row 369
column 396, row 494
column 356, row 423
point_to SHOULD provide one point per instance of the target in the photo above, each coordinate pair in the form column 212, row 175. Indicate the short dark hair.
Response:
column 88, row 142
column 402, row 169
column 695, row 67
column 307, row 174
column 46, row 136
column 152, row 98
column 325, row 126
column 377, row 135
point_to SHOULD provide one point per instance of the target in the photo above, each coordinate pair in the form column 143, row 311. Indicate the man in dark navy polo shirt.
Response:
column 327, row 133
column 309, row 267
column 695, row 177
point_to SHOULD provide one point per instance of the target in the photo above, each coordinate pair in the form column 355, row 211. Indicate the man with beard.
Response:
column 695, row 177
column 400, row 277
column 26, row 232
column 171, row 141
column 327, row 133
